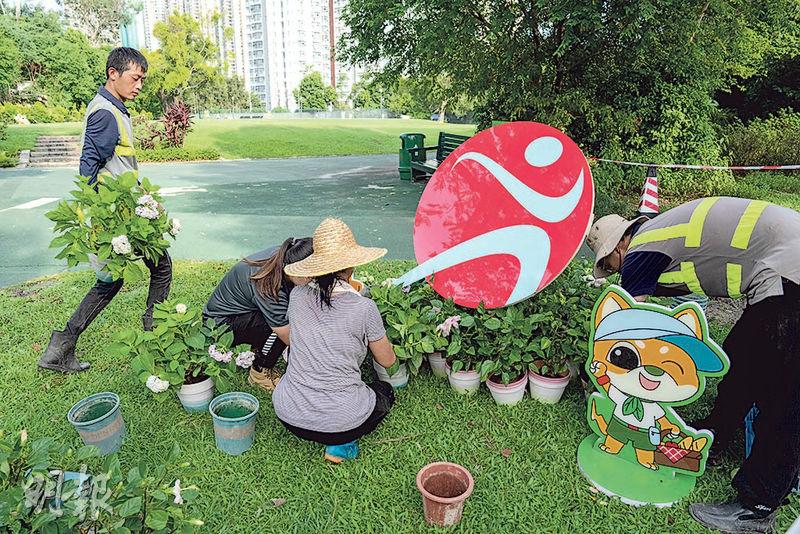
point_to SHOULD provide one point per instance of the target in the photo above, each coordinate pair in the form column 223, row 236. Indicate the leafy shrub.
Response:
column 280, row 109
column 148, row 133
column 7, row 160
column 40, row 113
column 411, row 321
column 177, row 154
column 177, row 123
column 180, row 349
column 118, row 220
column 771, row 141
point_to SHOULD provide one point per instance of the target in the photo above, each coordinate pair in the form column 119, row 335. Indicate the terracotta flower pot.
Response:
column 444, row 487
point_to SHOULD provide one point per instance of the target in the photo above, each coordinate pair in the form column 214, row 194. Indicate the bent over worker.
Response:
column 735, row 248
column 107, row 149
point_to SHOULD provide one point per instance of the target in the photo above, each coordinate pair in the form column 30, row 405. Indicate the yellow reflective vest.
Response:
column 725, row 247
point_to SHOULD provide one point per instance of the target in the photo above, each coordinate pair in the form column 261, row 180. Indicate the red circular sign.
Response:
column 503, row 215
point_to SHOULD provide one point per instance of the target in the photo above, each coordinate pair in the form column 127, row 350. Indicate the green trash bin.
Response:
column 408, row 141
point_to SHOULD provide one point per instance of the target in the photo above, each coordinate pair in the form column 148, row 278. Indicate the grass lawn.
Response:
column 522, row 458
column 266, row 138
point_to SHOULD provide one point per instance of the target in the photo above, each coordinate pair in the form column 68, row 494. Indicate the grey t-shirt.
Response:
column 322, row 389
column 236, row 294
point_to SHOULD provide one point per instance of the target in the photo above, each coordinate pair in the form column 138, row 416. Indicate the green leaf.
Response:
column 492, row 323
column 157, row 519
column 130, row 507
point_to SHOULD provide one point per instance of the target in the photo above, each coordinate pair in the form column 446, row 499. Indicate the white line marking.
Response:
column 172, row 191
column 349, row 171
column 376, row 186
column 32, row 204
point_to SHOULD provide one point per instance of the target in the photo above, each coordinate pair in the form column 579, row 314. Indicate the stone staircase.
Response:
column 56, row 151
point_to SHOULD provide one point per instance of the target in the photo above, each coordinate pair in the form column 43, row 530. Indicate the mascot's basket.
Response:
column 669, row 454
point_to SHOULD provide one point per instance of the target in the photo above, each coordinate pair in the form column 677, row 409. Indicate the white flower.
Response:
column 245, row 359
column 180, row 308
column 176, row 227
column 388, row 282
column 156, row 385
column 176, row 490
column 223, row 357
column 121, row 245
column 146, row 212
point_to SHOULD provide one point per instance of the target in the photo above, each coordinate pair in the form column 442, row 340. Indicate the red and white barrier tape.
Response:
column 703, row 167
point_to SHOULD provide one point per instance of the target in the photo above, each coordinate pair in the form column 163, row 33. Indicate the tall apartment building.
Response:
column 286, row 39
column 228, row 15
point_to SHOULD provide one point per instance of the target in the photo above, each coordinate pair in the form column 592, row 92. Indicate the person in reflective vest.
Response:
column 740, row 249
column 108, row 150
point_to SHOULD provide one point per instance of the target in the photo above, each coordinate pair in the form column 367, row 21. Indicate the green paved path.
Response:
column 228, row 209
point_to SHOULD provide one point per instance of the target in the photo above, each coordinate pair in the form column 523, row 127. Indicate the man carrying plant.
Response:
column 108, row 151
column 734, row 248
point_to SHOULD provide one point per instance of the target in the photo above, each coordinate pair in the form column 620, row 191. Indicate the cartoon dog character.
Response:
column 643, row 359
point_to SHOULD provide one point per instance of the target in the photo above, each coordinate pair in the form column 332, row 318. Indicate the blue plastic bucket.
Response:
column 234, row 416
column 98, row 420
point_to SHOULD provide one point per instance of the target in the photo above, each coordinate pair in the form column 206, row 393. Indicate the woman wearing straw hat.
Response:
column 252, row 299
column 322, row 397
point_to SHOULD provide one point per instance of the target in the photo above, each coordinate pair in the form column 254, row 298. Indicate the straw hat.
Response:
column 604, row 236
column 335, row 249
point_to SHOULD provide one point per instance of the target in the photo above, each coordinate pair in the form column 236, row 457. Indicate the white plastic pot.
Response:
column 509, row 394
column 438, row 364
column 464, row 382
column 398, row 380
column 545, row 389
column 197, row 397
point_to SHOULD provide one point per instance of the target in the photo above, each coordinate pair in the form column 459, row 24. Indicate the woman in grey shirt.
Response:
column 252, row 299
column 322, row 397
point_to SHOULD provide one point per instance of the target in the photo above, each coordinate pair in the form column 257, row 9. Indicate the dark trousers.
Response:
column 764, row 349
column 252, row 329
column 384, row 399
column 102, row 293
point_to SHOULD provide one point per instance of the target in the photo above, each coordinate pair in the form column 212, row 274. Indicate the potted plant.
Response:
column 506, row 375
column 463, row 357
column 111, row 224
column 410, row 327
column 561, row 337
column 183, row 352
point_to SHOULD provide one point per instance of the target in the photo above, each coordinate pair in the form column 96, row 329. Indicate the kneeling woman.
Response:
column 252, row 300
column 322, row 397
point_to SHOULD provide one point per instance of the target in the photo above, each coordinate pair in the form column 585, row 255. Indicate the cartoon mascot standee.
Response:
column 644, row 360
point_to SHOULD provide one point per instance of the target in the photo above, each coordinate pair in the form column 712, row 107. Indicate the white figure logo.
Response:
column 529, row 244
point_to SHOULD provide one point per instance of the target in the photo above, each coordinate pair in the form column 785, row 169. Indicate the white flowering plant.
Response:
column 181, row 349
column 117, row 219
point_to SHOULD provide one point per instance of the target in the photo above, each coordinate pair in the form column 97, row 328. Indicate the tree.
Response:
column 185, row 65
column 73, row 70
column 10, row 62
column 634, row 78
column 33, row 33
column 313, row 93
column 99, row 20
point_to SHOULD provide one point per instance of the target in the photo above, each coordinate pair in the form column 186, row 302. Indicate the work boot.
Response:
column 339, row 453
column 266, row 379
column 60, row 354
column 731, row 517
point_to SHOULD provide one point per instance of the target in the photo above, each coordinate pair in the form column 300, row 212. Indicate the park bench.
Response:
column 423, row 168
